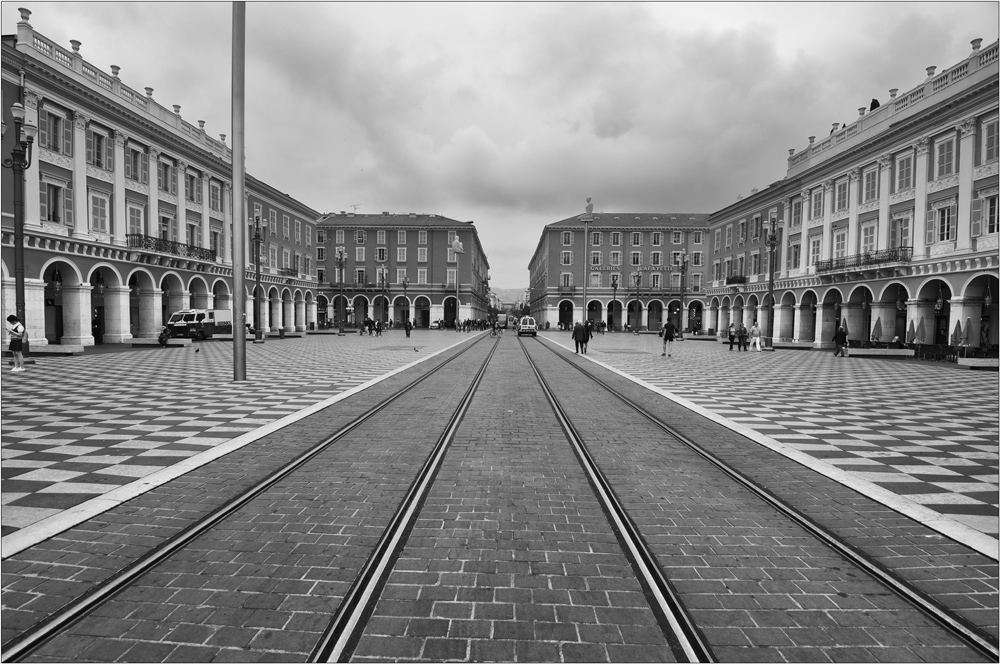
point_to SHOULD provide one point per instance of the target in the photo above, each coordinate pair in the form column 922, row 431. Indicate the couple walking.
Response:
column 582, row 334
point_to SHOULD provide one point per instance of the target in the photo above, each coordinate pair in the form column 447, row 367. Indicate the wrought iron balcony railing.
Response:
column 159, row 245
column 288, row 272
column 867, row 259
column 734, row 279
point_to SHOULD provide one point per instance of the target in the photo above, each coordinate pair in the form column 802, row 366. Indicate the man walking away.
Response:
column 742, row 335
column 407, row 327
column 579, row 336
column 668, row 337
column 840, row 339
column 755, row 337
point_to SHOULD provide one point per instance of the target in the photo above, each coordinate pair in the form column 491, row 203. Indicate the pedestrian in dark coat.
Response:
column 580, row 337
column 589, row 329
column 742, row 335
column 407, row 327
column 840, row 340
column 732, row 335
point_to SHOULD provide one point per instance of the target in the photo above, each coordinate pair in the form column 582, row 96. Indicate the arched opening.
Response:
column 654, row 316
column 422, row 311
column 615, row 315
column 450, row 312
column 565, row 315
column 595, row 311
column 634, row 311
column 400, row 310
column 695, row 317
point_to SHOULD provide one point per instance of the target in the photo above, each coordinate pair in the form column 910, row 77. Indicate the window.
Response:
column 272, row 252
column 616, row 279
column 452, row 276
column 797, row 212
column 636, row 239
column 817, row 204
column 697, row 258
column 567, row 238
column 452, row 256
column 596, row 238
column 696, row 281
column 566, row 258
column 595, row 280
column 215, row 240
column 421, row 254
column 595, row 258
column 656, row 280
column 99, row 213
column 615, row 258
column 285, row 226
column 452, row 236
column 401, row 237
column 696, row 237
column 899, row 232
column 320, row 235
column 567, row 279
column 421, row 237
column 360, row 237
column 676, row 237
column 716, row 271
column 339, row 236
column 635, row 258
column 166, row 177
column 656, row 258
column 381, row 254
column 359, row 275
column 675, row 281
column 286, row 258
column 400, row 254
column 320, row 275
column 741, row 263
column 991, row 214
column 55, row 132
column 941, row 225
column 616, row 239
column 794, row 255
column 359, row 254
column 309, row 236
column 137, row 165
column 655, row 238
column 755, row 227
column 379, row 237
column 320, row 253
column 904, row 172
column 100, row 150
column 945, row 162
column 56, row 204
column 191, row 189
column 841, row 191
column 868, row 238
column 815, row 244
column 298, row 232
column 729, row 236
column 422, row 275
column 990, row 139
column 984, row 215
column 273, row 221
column 870, row 186
column 136, row 220
column 729, row 267
column 215, row 196
column 840, row 244
column 718, row 239
column 741, row 232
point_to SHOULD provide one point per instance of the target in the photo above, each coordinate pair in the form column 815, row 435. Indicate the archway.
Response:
column 400, row 310
column 565, row 315
column 595, row 311
column 634, row 311
column 359, row 312
column 786, row 328
column 422, row 311
column 322, row 309
column 696, row 312
column 450, row 311
column 615, row 315
column 654, row 315
column 173, row 297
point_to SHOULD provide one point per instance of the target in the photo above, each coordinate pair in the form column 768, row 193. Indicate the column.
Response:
column 81, row 212
column 886, row 313
column 300, row 315
column 797, row 324
column 116, row 315
column 966, row 151
column 824, row 328
column 826, row 247
column 153, row 220
column 853, row 197
column 960, row 310
column 853, row 315
column 76, row 315
column 206, row 224
column 227, row 221
column 884, row 185
column 182, row 202
column 275, row 314
column 150, row 303
column 919, row 230
column 32, row 188
column 311, row 312
column 804, row 237
column 246, row 235
column 265, row 313
column 120, row 213
column 288, row 315
column 917, row 312
column 780, row 312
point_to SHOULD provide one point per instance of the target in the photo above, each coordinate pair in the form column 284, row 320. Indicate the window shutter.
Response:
column 197, row 191
column 894, row 235
column 159, row 175
column 128, row 165
column 953, row 226
column 930, row 227
column 109, row 154
column 43, row 208
column 68, row 137
column 68, row 206
column 173, row 180
column 144, row 167
column 977, row 217
column 90, row 146
column 43, row 129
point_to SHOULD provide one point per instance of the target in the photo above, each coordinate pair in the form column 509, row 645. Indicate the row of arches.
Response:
column 635, row 314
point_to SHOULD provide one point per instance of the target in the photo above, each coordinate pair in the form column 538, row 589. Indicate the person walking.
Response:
column 667, row 332
column 18, row 334
column 732, row 335
column 840, row 340
column 407, row 327
column 579, row 337
column 755, row 337
column 588, row 328
column 741, row 335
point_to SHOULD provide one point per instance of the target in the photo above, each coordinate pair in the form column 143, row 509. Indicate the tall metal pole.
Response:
column 772, row 242
column 239, row 185
column 19, row 161
column 343, row 300
column 614, row 292
column 258, row 295
column 684, row 265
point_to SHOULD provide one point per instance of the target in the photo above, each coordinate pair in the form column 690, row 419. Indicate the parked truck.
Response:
column 200, row 323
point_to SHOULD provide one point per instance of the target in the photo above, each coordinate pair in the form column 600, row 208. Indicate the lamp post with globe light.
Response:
column 772, row 242
column 18, row 163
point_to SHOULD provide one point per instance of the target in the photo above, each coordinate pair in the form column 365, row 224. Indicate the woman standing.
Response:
column 17, row 334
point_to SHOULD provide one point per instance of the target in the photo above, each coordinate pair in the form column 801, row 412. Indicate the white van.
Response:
column 200, row 323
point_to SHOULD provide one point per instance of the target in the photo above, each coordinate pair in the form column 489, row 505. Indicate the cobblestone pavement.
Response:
column 922, row 435
column 78, row 428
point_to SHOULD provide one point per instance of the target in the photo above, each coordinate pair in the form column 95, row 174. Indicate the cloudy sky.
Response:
column 511, row 114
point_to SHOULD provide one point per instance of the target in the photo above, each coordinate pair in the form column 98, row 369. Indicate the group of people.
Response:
column 741, row 335
column 582, row 334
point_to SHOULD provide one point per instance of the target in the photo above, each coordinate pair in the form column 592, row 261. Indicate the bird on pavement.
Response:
column 197, row 350
column 415, row 350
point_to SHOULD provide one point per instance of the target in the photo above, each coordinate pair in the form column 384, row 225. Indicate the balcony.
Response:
column 288, row 272
column 736, row 280
column 567, row 290
column 868, row 259
column 161, row 246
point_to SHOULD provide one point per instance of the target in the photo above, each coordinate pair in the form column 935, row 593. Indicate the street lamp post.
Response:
column 456, row 246
column 614, row 293
column 684, row 264
column 19, row 162
column 343, row 300
column 772, row 242
column 638, row 314
column 406, row 283
column 586, row 218
column 257, row 304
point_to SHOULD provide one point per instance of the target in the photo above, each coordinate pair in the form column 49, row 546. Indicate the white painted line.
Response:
column 66, row 519
column 978, row 541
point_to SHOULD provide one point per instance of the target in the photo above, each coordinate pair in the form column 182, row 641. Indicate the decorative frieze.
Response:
column 168, row 197
column 55, row 229
column 903, row 195
column 986, row 242
column 100, row 174
column 941, row 248
column 942, row 184
column 868, row 207
column 842, row 214
column 991, row 169
column 139, row 187
column 55, row 158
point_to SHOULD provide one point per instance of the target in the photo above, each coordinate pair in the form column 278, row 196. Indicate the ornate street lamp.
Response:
column 614, row 292
column 683, row 266
column 772, row 242
column 18, row 163
column 638, row 314
column 406, row 283
column 257, row 304
column 343, row 300
column 456, row 246
column 586, row 218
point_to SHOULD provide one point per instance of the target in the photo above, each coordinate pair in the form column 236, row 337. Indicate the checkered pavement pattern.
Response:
column 927, row 432
column 75, row 428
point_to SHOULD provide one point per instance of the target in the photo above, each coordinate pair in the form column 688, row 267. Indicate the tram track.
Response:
column 33, row 638
column 973, row 636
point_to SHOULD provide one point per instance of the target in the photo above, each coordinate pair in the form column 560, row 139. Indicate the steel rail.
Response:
column 344, row 630
column 973, row 636
column 41, row 632
column 683, row 634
